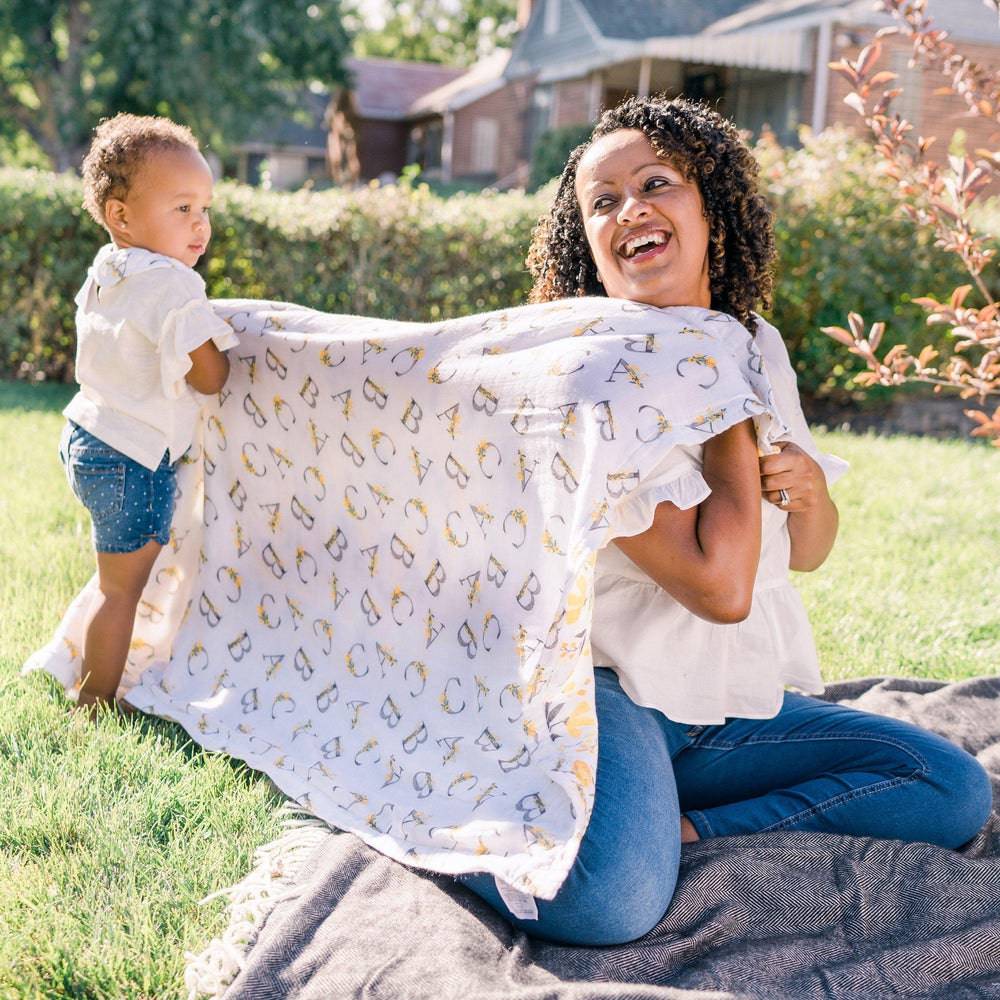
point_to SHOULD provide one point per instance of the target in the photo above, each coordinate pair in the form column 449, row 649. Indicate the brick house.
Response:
column 375, row 128
column 761, row 62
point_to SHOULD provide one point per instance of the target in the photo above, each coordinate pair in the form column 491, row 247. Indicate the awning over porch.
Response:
column 780, row 51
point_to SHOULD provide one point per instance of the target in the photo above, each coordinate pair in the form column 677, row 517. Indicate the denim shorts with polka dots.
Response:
column 129, row 504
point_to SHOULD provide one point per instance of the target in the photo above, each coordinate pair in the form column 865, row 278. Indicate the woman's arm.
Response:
column 706, row 557
column 812, row 516
column 209, row 369
column 813, row 534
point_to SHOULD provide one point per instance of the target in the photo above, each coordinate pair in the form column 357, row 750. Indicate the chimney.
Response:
column 523, row 13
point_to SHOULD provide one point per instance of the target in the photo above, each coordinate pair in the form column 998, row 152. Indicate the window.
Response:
column 485, row 136
column 316, row 168
column 759, row 100
column 537, row 118
column 552, row 16
column 414, row 144
column 256, row 163
column 423, row 145
column 435, row 141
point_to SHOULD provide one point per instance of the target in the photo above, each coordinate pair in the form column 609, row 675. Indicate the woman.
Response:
column 696, row 628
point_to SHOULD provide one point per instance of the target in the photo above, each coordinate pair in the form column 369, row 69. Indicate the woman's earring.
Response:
column 600, row 280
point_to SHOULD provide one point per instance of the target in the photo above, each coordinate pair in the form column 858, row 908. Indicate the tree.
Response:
column 940, row 197
column 215, row 65
column 457, row 32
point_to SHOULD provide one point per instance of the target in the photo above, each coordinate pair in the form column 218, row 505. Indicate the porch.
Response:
column 753, row 97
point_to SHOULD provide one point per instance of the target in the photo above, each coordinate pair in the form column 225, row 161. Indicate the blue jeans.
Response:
column 815, row 766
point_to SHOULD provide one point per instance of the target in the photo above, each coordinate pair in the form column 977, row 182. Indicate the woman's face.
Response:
column 644, row 222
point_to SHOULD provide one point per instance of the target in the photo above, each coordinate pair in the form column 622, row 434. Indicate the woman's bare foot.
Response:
column 688, row 833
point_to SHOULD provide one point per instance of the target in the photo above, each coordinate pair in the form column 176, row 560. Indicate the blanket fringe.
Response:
column 276, row 867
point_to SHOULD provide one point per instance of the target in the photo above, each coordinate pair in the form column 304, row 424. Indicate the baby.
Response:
column 146, row 337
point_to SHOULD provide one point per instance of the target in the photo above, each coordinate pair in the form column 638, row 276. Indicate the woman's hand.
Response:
column 812, row 516
column 797, row 473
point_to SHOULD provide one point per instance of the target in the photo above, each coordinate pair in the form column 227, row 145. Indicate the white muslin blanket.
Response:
column 378, row 588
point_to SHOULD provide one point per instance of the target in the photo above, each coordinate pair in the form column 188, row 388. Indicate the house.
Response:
column 368, row 130
column 283, row 150
column 760, row 62
column 375, row 128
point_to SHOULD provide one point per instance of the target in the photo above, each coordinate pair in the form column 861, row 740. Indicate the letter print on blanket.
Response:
column 379, row 581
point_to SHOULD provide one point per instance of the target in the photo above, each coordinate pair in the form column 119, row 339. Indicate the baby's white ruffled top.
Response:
column 667, row 658
column 139, row 315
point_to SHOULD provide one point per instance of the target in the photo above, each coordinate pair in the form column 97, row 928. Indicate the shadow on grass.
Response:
column 34, row 397
column 172, row 736
column 176, row 737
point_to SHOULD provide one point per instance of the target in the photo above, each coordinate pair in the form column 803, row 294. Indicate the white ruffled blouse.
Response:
column 139, row 315
column 667, row 658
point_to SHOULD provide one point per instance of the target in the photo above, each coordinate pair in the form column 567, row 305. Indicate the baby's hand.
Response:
column 795, row 473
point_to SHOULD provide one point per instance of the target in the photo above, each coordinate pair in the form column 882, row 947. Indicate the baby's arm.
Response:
column 209, row 369
column 170, row 307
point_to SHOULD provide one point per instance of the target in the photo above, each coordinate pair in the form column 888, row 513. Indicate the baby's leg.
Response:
column 121, row 578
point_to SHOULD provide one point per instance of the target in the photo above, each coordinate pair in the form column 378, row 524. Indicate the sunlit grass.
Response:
column 109, row 836
column 911, row 586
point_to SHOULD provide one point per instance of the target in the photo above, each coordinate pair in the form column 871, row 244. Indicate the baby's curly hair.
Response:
column 118, row 149
column 708, row 150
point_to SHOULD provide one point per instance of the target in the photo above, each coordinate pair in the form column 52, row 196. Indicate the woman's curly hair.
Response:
column 708, row 150
column 117, row 151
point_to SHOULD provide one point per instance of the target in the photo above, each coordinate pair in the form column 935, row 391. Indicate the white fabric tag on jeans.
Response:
column 519, row 903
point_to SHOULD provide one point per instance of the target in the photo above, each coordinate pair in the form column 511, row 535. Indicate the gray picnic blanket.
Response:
column 782, row 915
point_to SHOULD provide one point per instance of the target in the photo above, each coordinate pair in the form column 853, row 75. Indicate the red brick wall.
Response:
column 572, row 103
column 506, row 106
column 940, row 115
column 381, row 147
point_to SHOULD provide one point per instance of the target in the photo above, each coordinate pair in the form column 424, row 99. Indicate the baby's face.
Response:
column 166, row 209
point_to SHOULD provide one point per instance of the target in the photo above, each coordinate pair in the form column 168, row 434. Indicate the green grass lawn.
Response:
column 110, row 836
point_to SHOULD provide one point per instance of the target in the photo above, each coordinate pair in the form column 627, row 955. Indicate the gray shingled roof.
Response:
column 640, row 19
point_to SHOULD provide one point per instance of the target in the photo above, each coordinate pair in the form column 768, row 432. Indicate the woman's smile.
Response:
column 644, row 245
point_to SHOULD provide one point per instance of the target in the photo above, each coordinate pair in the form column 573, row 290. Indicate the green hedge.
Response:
column 843, row 246
column 552, row 150
column 403, row 252
column 380, row 251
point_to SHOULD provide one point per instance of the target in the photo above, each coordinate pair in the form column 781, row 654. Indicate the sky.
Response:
column 373, row 11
